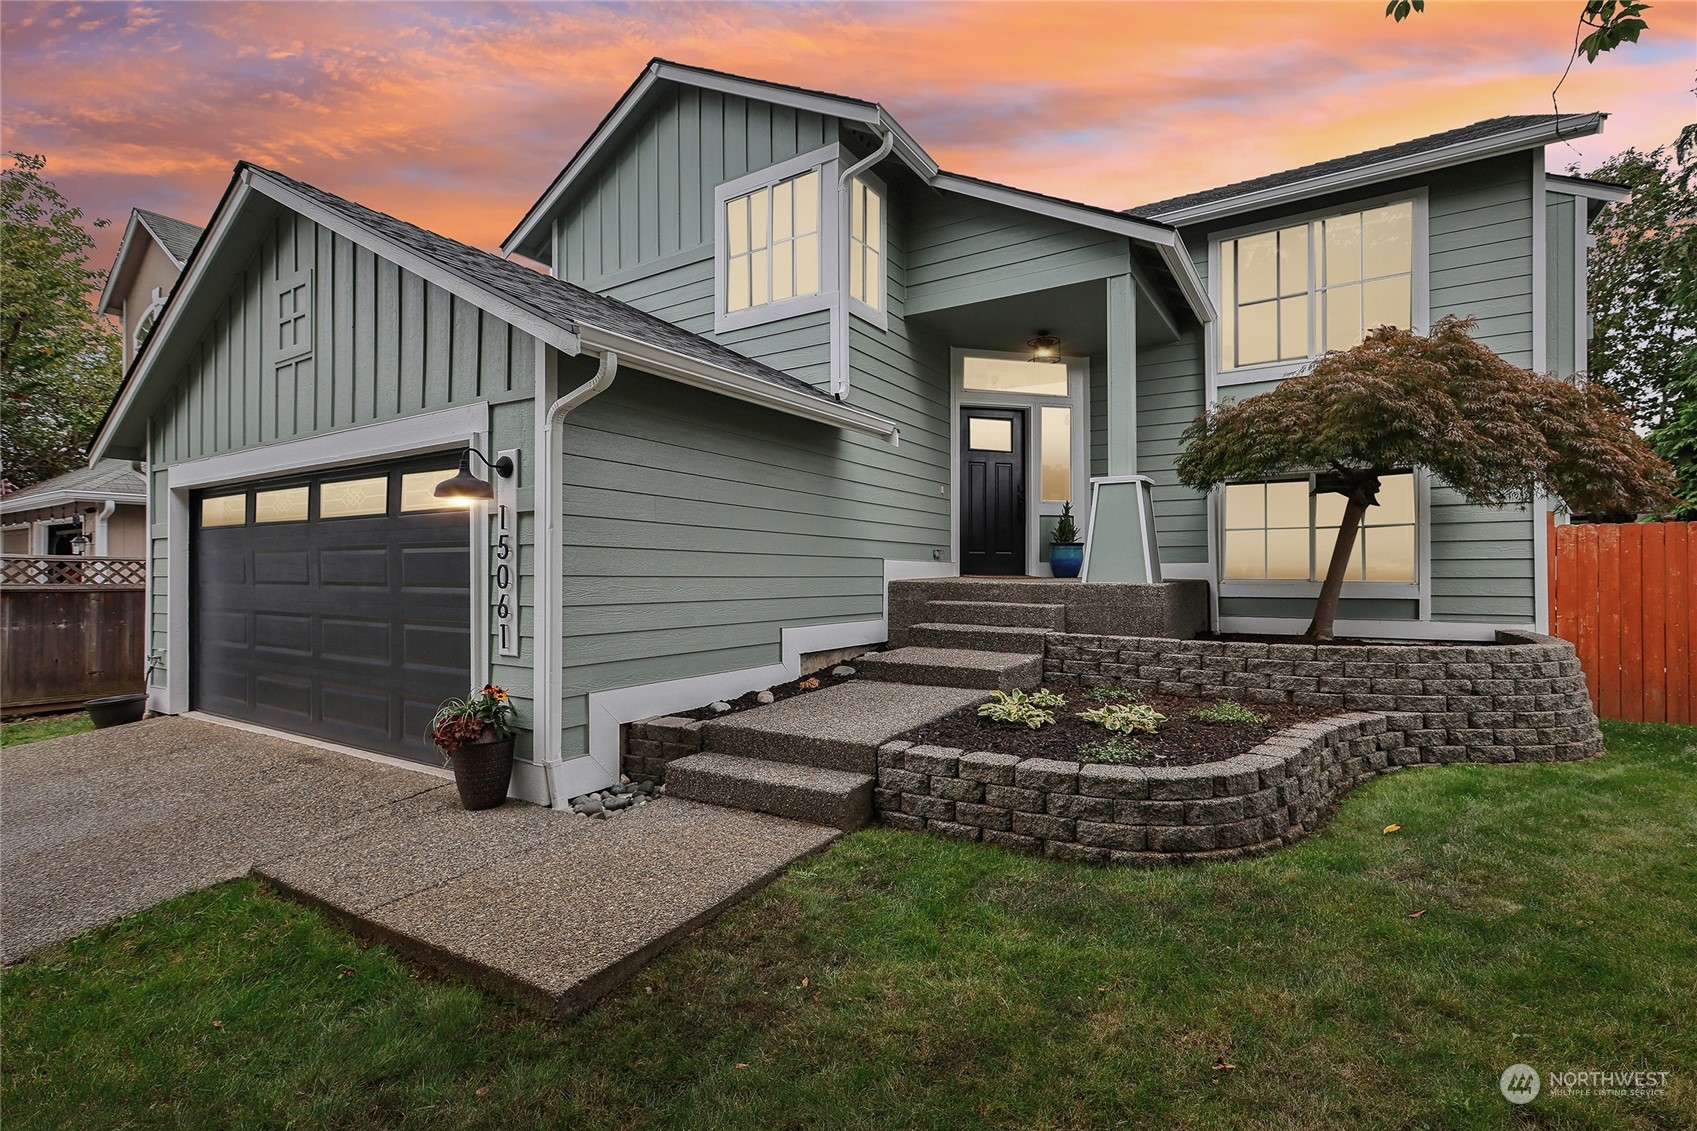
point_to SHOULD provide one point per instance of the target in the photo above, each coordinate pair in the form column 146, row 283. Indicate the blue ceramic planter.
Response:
column 1066, row 558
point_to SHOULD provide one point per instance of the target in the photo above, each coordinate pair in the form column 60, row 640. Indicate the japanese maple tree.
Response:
column 1498, row 434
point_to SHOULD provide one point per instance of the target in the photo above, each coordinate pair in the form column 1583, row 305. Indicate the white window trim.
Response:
column 1077, row 399
column 1420, row 283
column 877, row 316
column 1420, row 589
column 828, row 160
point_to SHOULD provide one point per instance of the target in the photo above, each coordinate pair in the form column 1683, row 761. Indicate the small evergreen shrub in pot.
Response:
column 1066, row 552
column 476, row 736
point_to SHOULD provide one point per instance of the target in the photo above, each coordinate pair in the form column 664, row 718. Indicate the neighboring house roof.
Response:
column 557, row 312
column 532, row 235
column 177, row 238
column 109, row 479
column 1488, row 138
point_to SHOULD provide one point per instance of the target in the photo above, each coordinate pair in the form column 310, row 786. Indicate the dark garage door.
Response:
column 337, row 606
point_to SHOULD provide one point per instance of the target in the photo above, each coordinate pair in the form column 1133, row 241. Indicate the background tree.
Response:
column 1496, row 433
column 60, row 362
column 1643, row 298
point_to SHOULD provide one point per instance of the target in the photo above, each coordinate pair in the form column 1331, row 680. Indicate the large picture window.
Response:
column 772, row 243
column 1282, row 531
column 1299, row 291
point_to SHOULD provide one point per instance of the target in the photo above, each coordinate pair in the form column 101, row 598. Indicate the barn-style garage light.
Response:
column 468, row 488
column 1044, row 346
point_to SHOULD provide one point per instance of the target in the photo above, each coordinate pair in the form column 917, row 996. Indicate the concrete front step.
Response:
column 954, row 667
column 978, row 637
column 834, row 728
column 834, row 798
column 1008, row 614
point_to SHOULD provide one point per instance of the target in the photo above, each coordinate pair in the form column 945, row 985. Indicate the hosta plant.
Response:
column 1018, row 708
column 1123, row 718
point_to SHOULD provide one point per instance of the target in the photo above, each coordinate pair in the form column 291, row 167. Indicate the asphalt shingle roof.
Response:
column 567, row 305
column 178, row 236
column 108, row 477
column 1478, row 131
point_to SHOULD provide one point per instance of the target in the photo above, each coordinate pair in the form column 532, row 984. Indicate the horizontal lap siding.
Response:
column 902, row 374
column 963, row 251
column 1170, row 393
column 697, row 528
column 1481, row 266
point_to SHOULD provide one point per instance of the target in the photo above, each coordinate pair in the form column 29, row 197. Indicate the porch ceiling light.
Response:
column 467, row 487
column 1045, row 347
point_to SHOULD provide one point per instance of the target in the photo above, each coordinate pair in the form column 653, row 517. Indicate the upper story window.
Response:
column 1298, row 291
column 866, row 242
column 772, row 243
column 145, row 324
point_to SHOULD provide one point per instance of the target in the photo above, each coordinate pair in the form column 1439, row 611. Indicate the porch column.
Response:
column 1122, row 375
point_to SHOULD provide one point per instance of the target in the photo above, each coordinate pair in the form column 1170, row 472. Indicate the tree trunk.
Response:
column 1326, row 609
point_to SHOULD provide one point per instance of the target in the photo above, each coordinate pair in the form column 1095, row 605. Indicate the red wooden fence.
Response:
column 1626, row 596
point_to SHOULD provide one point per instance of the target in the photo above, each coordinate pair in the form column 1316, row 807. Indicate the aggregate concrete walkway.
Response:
column 532, row 903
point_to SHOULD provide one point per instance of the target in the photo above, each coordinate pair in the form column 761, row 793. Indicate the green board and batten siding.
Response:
column 1480, row 263
column 382, row 344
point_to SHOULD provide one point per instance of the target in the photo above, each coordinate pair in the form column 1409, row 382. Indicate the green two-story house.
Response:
column 779, row 359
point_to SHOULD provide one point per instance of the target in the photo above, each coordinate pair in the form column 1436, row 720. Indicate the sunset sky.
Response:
column 456, row 115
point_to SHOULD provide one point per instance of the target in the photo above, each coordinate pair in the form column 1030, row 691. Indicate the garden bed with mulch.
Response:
column 1181, row 740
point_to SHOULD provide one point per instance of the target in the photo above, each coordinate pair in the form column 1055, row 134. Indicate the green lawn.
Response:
column 904, row 981
column 43, row 726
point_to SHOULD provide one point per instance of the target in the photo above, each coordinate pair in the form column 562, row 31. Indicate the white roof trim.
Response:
column 674, row 366
column 1579, row 186
column 11, row 504
column 1527, row 137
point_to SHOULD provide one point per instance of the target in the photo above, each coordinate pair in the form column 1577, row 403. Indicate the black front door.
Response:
column 992, row 498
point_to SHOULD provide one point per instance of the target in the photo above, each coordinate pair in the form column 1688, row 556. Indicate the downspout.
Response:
column 550, row 549
column 100, row 520
column 839, row 309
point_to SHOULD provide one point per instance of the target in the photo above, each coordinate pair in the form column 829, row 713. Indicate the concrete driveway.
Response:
column 529, row 902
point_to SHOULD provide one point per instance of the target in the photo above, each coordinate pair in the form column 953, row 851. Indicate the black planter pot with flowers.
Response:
column 476, row 736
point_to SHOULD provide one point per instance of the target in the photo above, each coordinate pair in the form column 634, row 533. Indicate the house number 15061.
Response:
column 505, row 562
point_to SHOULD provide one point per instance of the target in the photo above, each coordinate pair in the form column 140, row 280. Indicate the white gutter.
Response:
column 740, row 386
column 845, row 244
column 550, row 549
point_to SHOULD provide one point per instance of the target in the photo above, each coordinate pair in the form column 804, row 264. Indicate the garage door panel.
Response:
column 366, row 567
column 359, row 710
column 435, row 646
column 288, row 695
column 281, row 567
column 283, row 632
column 434, row 567
column 357, row 640
column 349, row 629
